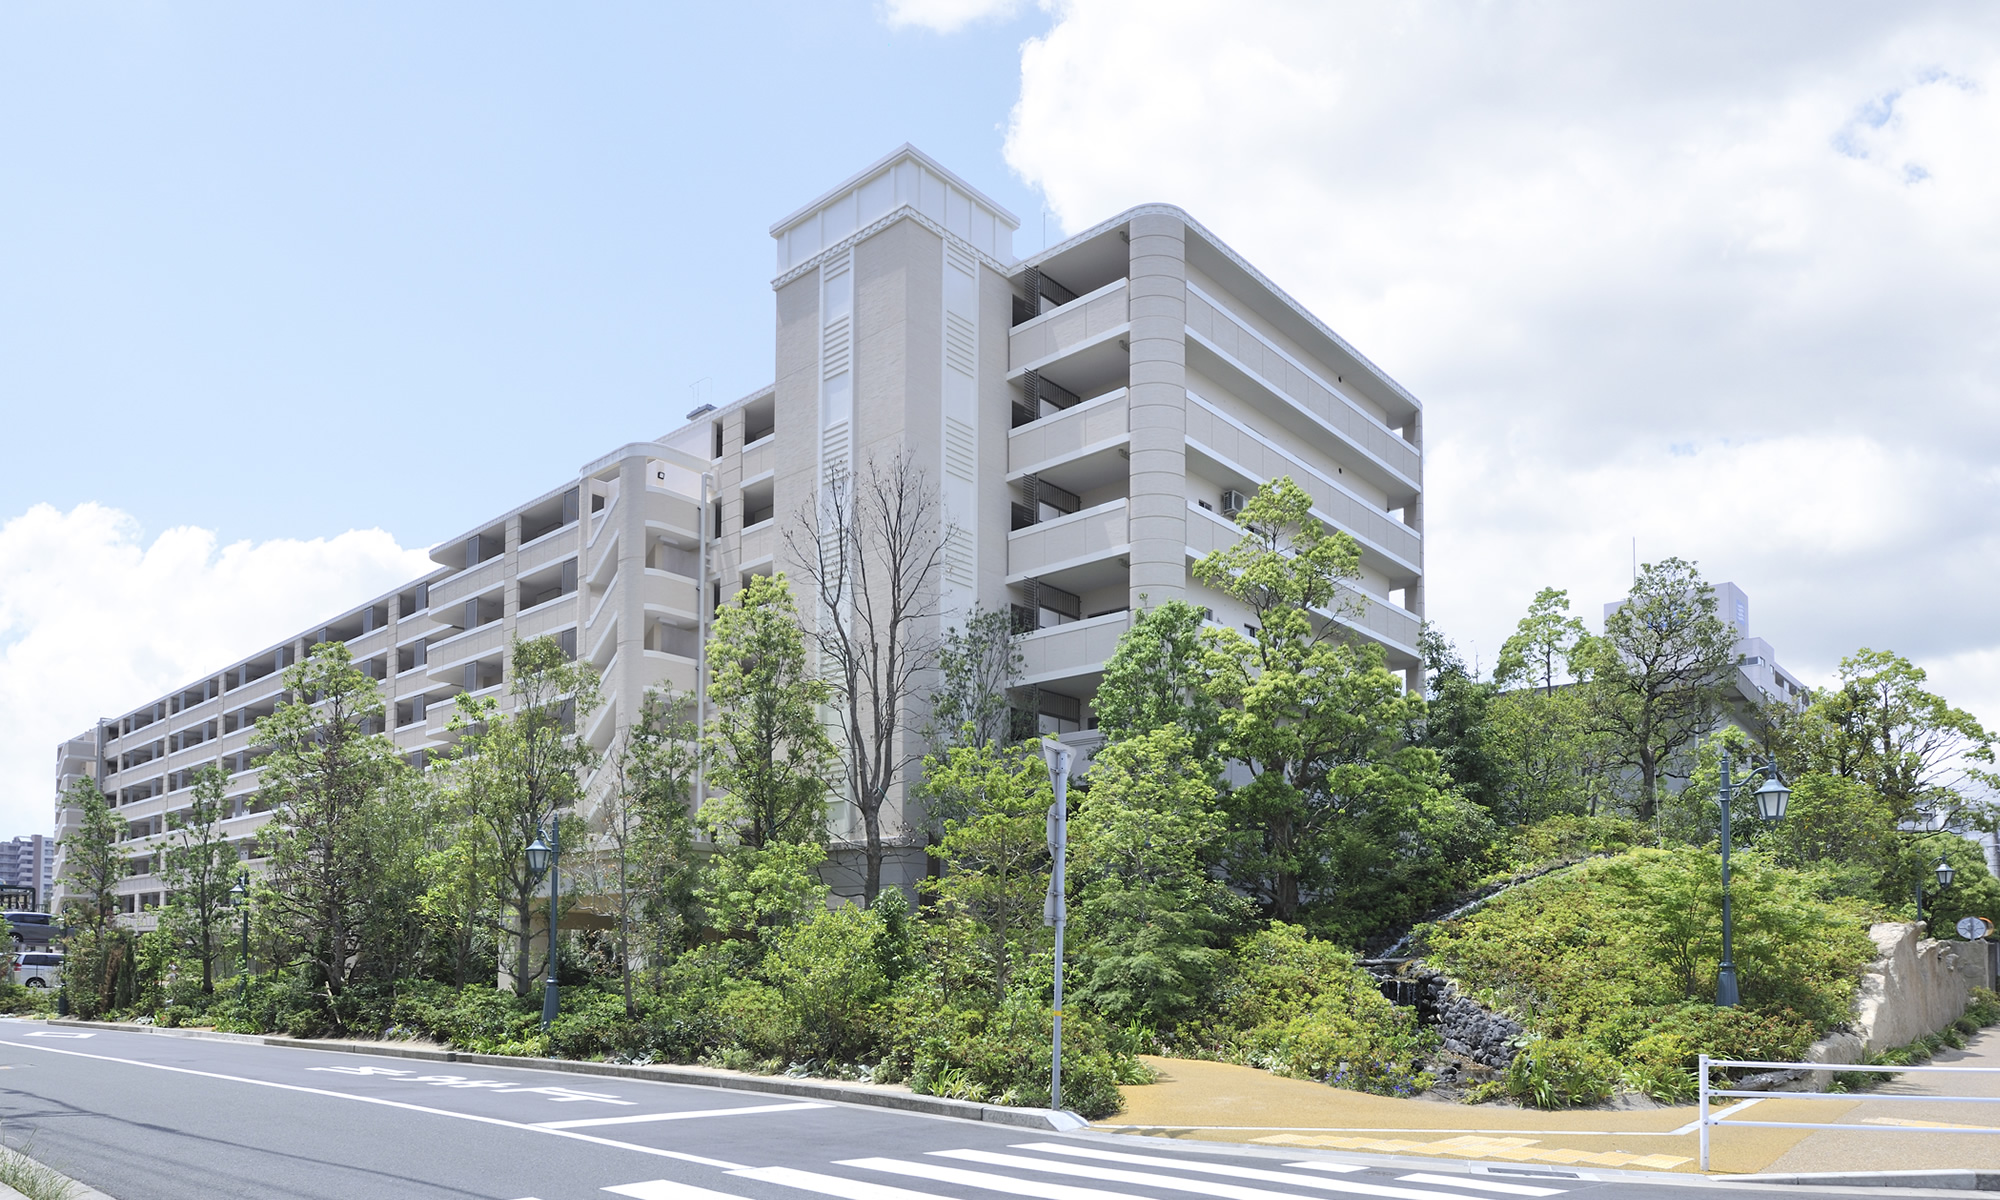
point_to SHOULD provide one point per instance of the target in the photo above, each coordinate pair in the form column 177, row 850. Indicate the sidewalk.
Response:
column 1851, row 1150
column 1209, row 1101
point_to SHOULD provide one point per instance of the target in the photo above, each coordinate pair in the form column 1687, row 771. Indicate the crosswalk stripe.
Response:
column 666, row 1189
column 1224, row 1191
column 1484, row 1185
column 1033, row 1189
column 1205, row 1168
column 742, row 1110
column 831, row 1185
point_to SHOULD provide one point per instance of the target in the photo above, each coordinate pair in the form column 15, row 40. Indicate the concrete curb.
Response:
column 1052, row 1120
column 1965, row 1180
column 77, row 1191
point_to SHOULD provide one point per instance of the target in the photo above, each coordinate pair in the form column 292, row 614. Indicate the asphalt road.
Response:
column 151, row 1117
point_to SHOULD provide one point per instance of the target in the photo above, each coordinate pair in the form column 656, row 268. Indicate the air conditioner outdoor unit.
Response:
column 1232, row 502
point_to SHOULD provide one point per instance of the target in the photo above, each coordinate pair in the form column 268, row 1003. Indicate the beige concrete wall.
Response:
column 1158, row 290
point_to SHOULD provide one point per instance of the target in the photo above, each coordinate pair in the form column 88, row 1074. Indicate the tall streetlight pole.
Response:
column 240, row 895
column 1771, row 800
column 1055, row 911
column 547, row 857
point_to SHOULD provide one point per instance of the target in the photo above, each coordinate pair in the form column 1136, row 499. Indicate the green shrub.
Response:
column 1300, row 1007
column 1561, row 1073
column 1620, row 955
column 1003, row 1056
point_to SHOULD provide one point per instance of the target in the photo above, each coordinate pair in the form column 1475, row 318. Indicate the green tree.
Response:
column 1149, row 917
column 997, row 852
column 1659, row 672
column 1885, row 729
column 198, row 866
column 977, row 663
column 92, row 866
column 338, row 841
column 769, row 760
column 647, row 817
column 1456, row 722
column 525, row 767
column 1544, row 645
column 1160, row 675
column 1341, row 816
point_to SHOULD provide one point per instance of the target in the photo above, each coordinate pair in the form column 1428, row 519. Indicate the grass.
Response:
column 34, row 1180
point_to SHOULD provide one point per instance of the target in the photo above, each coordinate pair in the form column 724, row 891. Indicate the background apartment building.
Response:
column 27, row 862
column 1091, row 418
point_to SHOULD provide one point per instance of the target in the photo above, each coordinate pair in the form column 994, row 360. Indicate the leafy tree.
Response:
column 1883, row 728
column 1455, row 722
column 1659, row 672
column 873, row 547
column 1341, row 815
column 1149, row 917
column 92, row 866
column 770, row 761
column 997, row 851
column 523, row 768
column 646, row 815
column 1160, row 675
column 1544, row 646
column 336, row 843
column 1547, row 758
column 457, row 862
column 198, row 866
column 977, row 663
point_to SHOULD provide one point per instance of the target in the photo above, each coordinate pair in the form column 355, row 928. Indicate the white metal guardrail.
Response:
column 1708, row 1120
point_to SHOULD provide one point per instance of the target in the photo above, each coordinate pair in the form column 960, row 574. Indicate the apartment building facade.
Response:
column 1090, row 418
column 27, row 862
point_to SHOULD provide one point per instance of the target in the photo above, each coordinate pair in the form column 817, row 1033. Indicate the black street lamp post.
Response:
column 547, row 857
column 240, row 896
column 1944, row 873
column 1771, row 799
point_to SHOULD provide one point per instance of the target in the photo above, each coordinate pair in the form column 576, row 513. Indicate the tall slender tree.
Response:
column 197, row 867
column 523, row 768
column 873, row 547
column 1659, row 672
column 93, row 863
column 335, row 843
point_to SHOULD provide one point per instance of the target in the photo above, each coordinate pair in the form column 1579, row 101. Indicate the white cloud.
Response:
column 93, row 621
column 1723, row 279
column 946, row 16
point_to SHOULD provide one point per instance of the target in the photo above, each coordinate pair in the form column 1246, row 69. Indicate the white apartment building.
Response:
column 27, row 862
column 1091, row 417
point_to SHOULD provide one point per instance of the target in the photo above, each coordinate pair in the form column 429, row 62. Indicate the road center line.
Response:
column 642, row 1118
column 438, row 1112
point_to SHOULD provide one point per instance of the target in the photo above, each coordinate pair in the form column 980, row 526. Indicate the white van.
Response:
column 37, row 969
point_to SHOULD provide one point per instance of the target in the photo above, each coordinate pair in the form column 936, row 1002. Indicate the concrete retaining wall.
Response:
column 1915, row 987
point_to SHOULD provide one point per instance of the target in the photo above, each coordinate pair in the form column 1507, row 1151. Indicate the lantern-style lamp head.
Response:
column 538, row 856
column 1944, row 872
column 1771, row 799
column 241, row 890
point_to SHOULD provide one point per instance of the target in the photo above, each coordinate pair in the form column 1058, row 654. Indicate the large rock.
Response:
column 1466, row 1028
column 1915, row 987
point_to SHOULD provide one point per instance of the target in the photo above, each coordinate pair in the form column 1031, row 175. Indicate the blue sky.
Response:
column 238, row 232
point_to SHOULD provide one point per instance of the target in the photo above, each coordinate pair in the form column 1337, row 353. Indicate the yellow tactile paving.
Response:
column 1472, row 1146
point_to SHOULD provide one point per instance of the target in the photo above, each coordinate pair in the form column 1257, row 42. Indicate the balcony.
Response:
column 1082, row 320
column 452, row 592
column 1093, row 534
column 1234, row 449
column 1392, row 625
column 1241, row 349
column 1095, row 427
column 1078, row 649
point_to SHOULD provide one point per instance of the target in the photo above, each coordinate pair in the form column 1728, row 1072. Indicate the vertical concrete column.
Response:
column 628, row 672
column 1158, row 290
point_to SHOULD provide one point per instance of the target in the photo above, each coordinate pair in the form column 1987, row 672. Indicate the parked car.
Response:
column 30, row 928
column 38, row 969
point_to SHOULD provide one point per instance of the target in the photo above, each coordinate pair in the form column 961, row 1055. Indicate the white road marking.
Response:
column 642, row 1118
column 1034, row 1189
column 57, row 1034
column 666, row 1189
column 386, row 1103
column 833, row 1185
column 1224, row 1191
column 1205, row 1168
column 1484, row 1185
column 1695, row 1124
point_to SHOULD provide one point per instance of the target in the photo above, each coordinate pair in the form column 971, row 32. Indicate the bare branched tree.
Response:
column 873, row 546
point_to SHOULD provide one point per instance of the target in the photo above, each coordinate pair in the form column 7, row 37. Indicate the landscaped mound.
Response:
column 1611, row 966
